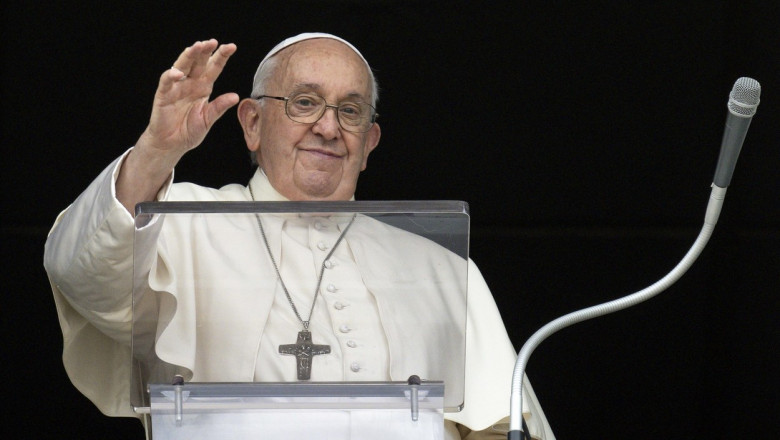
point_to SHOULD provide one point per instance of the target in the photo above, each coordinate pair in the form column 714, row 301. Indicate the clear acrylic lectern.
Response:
column 214, row 283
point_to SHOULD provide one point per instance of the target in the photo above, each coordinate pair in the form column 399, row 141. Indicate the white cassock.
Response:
column 209, row 316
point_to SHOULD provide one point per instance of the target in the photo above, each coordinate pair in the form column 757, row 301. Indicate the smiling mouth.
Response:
column 323, row 153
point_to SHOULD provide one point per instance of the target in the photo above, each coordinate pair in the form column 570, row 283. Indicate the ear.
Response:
column 249, row 116
column 372, row 140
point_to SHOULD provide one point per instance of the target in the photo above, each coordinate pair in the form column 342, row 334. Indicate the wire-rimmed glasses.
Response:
column 308, row 108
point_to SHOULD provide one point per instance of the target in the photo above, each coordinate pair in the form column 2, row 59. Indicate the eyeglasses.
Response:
column 308, row 108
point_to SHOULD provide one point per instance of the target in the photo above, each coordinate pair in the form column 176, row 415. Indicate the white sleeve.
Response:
column 88, row 258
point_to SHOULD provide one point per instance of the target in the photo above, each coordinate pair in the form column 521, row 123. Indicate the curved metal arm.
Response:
column 516, row 400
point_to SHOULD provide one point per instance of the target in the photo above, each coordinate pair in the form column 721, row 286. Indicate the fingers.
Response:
column 182, row 114
column 218, row 60
column 199, row 61
column 204, row 59
column 168, row 79
column 192, row 61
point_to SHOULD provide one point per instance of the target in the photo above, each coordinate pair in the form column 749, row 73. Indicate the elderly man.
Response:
column 304, row 152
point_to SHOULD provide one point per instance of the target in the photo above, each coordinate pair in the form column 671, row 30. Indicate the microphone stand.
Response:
column 516, row 399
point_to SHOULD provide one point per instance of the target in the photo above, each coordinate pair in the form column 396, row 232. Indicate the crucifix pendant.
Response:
column 304, row 350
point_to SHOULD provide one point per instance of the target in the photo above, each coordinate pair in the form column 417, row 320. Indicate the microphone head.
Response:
column 744, row 97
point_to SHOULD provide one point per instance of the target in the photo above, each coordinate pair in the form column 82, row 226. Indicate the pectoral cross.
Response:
column 304, row 350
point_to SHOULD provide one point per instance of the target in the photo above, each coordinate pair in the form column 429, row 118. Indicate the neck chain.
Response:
column 303, row 349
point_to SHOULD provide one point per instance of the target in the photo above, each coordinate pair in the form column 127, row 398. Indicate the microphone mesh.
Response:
column 744, row 97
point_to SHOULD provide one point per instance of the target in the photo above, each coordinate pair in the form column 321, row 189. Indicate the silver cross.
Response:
column 304, row 350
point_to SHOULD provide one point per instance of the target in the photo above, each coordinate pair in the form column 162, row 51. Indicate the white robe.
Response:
column 89, row 259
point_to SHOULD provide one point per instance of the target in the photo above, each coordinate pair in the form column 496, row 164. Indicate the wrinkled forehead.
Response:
column 284, row 50
column 309, row 36
column 323, row 66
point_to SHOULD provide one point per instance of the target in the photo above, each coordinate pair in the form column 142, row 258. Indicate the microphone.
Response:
column 743, row 101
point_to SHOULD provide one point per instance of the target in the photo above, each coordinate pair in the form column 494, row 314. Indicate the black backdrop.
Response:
column 583, row 135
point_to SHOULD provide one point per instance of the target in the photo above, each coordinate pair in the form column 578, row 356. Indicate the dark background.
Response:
column 584, row 136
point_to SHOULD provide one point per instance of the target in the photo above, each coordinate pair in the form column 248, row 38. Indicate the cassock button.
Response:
column 339, row 306
column 355, row 367
column 345, row 329
column 351, row 344
column 322, row 246
column 329, row 264
column 331, row 288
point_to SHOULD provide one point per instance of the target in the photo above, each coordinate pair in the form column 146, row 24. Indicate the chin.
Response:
column 318, row 185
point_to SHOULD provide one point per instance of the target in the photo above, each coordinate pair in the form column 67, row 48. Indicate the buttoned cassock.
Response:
column 207, row 314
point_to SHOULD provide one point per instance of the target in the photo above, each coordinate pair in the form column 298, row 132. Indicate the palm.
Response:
column 180, row 118
column 182, row 114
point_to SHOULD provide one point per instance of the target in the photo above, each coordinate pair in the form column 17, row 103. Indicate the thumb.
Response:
column 219, row 106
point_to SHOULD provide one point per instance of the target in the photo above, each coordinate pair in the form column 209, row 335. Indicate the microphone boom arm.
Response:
column 714, row 206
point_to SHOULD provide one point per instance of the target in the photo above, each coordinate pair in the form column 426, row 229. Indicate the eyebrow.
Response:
column 317, row 88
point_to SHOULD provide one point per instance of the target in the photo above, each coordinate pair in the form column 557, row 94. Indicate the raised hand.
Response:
column 182, row 115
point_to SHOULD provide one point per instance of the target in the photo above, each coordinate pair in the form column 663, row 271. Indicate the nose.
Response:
column 328, row 124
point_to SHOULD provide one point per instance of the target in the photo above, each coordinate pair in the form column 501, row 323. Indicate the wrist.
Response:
column 154, row 161
column 141, row 176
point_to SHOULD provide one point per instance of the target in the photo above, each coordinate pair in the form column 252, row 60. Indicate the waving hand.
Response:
column 182, row 115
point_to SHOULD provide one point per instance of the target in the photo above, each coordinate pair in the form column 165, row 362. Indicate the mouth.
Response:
column 322, row 153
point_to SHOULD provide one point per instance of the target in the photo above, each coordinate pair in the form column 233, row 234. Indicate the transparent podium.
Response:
column 279, row 320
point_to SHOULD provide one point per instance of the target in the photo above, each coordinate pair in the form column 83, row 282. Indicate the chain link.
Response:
column 279, row 274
